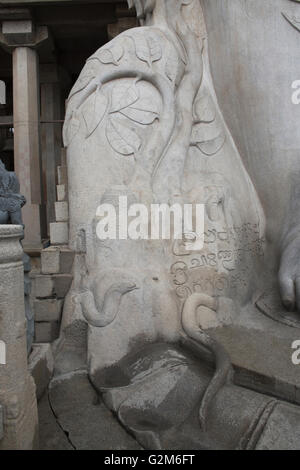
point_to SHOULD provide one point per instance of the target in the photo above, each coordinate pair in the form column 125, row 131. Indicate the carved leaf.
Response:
column 123, row 96
column 204, row 109
column 143, row 112
column 155, row 49
column 175, row 69
column 94, row 110
column 202, row 132
column 211, row 147
column 147, row 48
column 122, row 139
column 293, row 20
column 209, row 138
column 112, row 55
column 172, row 66
column 71, row 128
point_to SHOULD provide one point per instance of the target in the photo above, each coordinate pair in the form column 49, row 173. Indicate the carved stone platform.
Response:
column 260, row 348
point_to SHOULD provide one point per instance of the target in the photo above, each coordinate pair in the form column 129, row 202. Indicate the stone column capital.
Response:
column 22, row 33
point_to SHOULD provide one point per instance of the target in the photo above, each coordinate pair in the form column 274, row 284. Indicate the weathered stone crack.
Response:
column 66, row 433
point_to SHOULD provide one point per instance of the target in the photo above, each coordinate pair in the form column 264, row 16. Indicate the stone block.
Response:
column 35, row 266
column 61, row 192
column 57, row 260
column 59, row 233
column 47, row 310
column 62, row 284
column 61, row 211
column 63, row 157
column 41, row 367
column 66, row 260
column 62, row 175
column 43, row 286
column 50, row 261
column 46, row 332
column 18, row 32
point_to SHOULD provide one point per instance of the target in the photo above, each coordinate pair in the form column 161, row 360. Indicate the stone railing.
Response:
column 17, row 389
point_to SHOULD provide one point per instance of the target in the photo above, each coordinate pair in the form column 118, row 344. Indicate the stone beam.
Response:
column 6, row 121
column 14, row 14
column 45, row 2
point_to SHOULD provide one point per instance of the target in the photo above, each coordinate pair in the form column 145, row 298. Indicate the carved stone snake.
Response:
column 222, row 360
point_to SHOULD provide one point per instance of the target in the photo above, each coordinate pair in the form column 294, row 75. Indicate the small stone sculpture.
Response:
column 11, row 201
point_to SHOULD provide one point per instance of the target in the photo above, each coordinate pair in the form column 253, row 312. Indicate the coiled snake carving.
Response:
column 222, row 361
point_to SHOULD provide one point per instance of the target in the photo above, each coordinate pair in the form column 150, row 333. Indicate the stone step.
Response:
column 57, row 260
column 46, row 332
column 61, row 211
column 66, row 260
column 63, row 157
column 50, row 260
column 62, row 175
column 59, row 233
column 47, row 286
column 48, row 310
column 62, row 192
column 43, row 286
column 62, row 284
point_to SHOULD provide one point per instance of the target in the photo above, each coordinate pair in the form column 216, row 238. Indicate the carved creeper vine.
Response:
column 126, row 103
column 147, row 48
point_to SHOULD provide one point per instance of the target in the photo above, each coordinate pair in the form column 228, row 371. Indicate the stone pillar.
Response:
column 21, row 38
column 17, row 389
column 51, row 131
column 27, row 138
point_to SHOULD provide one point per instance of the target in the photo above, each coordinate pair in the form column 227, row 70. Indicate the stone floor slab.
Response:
column 84, row 417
